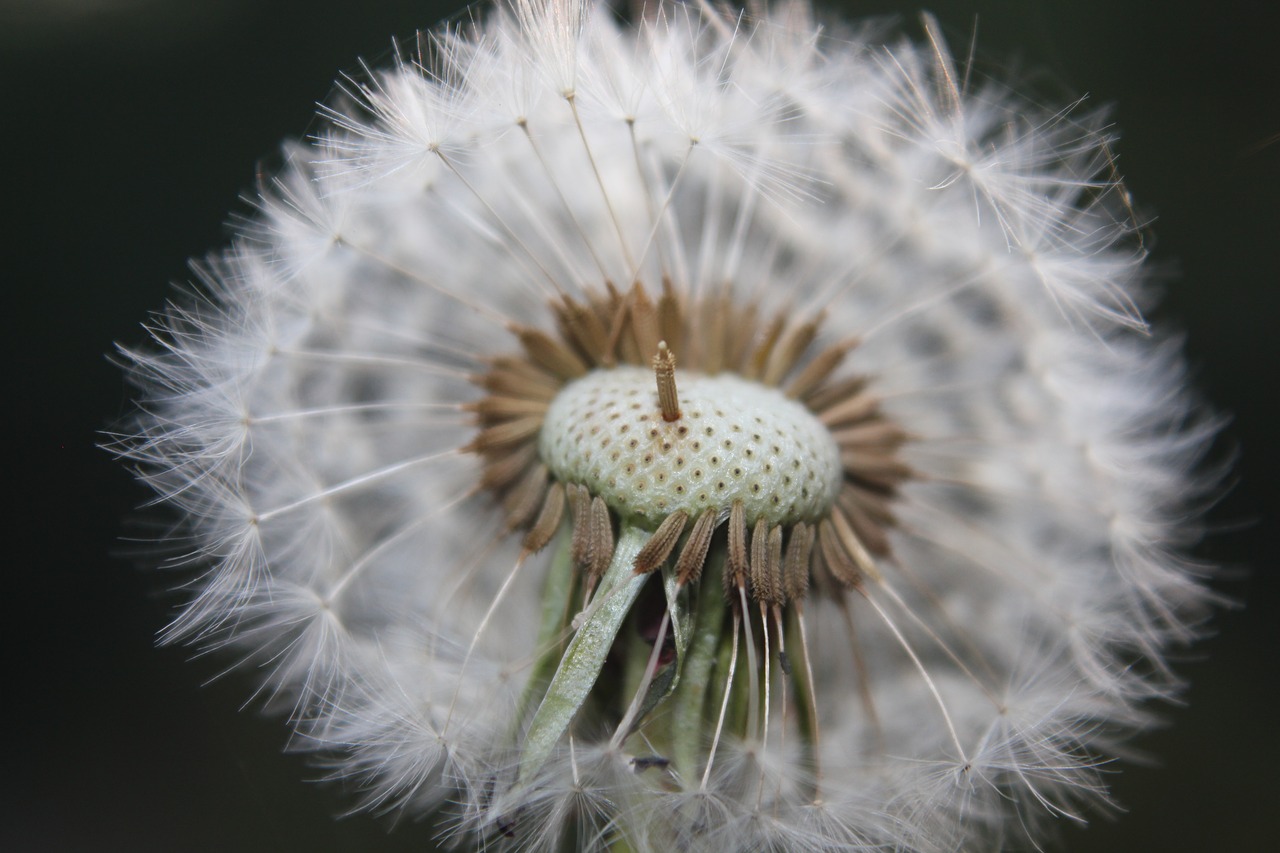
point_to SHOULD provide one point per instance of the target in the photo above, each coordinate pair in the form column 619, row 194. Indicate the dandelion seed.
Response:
column 710, row 433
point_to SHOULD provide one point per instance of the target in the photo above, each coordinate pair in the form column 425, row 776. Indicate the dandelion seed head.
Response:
column 708, row 432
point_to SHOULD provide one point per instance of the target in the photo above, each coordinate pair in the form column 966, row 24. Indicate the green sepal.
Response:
column 557, row 600
column 583, row 659
column 666, row 679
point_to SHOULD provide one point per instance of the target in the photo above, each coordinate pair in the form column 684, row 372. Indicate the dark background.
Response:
column 128, row 129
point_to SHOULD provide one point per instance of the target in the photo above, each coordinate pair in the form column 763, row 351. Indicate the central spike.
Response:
column 664, row 368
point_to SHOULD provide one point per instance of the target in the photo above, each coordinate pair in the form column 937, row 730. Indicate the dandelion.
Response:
column 709, row 432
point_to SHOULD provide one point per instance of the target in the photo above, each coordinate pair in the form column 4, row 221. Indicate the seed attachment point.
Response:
column 664, row 369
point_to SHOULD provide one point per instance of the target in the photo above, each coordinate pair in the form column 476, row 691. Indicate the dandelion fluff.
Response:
column 708, row 433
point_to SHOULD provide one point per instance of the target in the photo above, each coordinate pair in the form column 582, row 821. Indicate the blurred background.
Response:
column 130, row 127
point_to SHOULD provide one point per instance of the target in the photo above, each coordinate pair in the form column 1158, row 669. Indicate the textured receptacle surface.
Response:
column 736, row 440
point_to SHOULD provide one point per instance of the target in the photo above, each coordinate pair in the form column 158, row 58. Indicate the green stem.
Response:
column 689, row 726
